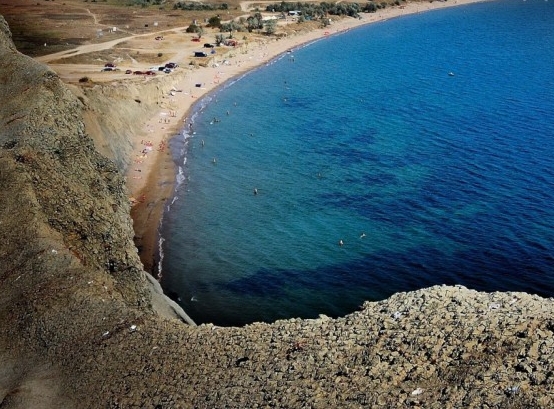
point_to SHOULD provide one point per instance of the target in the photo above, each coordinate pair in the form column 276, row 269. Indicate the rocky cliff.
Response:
column 78, row 327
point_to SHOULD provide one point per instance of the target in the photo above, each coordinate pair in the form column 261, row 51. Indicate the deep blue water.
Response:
column 427, row 178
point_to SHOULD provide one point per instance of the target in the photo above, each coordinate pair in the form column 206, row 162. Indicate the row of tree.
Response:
column 183, row 5
column 142, row 3
column 250, row 24
column 318, row 11
column 310, row 11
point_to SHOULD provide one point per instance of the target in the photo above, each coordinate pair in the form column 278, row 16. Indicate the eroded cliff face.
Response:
column 116, row 111
column 79, row 193
column 77, row 329
column 67, row 237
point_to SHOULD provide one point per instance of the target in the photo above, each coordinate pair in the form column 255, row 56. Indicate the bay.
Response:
column 424, row 143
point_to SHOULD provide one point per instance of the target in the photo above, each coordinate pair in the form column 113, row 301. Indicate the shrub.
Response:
column 193, row 28
column 214, row 22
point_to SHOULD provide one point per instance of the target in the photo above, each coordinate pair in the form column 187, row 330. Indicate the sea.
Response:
column 407, row 153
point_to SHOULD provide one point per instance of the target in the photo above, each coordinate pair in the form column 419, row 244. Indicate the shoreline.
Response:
column 151, row 173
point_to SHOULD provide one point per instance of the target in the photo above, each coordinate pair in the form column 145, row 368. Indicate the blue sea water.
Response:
column 367, row 137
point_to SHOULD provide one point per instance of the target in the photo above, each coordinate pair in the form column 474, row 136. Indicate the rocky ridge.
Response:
column 79, row 329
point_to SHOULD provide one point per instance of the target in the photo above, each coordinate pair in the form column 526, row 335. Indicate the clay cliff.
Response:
column 80, row 322
column 114, row 112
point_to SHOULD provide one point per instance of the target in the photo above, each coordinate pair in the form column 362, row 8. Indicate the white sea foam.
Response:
column 180, row 178
column 175, row 198
column 161, row 254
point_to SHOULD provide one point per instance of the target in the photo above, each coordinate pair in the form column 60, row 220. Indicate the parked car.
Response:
column 108, row 69
column 208, row 45
column 149, row 72
column 196, row 40
column 138, row 73
column 171, row 65
column 200, row 54
column 128, row 72
column 109, row 65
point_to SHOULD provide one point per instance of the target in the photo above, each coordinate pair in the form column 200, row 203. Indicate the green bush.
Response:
column 193, row 28
column 183, row 5
column 214, row 22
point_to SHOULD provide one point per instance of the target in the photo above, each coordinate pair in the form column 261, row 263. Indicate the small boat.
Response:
column 451, row 74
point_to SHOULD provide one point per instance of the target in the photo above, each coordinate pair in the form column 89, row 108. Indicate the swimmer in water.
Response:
column 362, row 235
column 341, row 243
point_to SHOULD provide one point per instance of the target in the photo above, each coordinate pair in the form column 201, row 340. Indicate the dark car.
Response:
column 208, row 45
column 109, row 65
column 128, row 72
column 171, row 65
column 200, row 54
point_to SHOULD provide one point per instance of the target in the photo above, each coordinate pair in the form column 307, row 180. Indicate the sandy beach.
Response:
column 151, row 174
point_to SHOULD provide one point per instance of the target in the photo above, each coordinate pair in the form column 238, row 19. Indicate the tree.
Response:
column 258, row 16
column 370, row 7
column 214, row 21
column 252, row 23
column 270, row 26
column 230, row 27
column 193, row 28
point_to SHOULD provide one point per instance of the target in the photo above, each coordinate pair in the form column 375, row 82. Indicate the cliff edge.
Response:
column 79, row 328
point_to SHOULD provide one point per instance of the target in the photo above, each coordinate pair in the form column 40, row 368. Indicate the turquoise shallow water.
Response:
column 427, row 178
